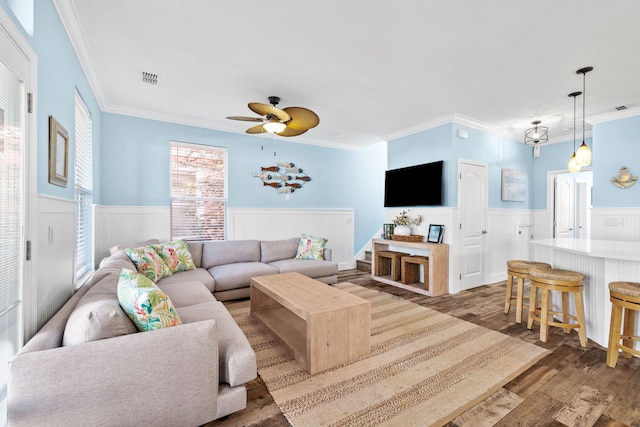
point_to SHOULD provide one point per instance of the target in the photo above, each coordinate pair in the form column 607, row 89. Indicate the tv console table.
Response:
column 438, row 277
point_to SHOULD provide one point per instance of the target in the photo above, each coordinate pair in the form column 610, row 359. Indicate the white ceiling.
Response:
column 372, row 70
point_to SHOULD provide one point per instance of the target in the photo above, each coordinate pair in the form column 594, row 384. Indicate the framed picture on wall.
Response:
column 436, row 233
column 58, row 153
column 514, row 185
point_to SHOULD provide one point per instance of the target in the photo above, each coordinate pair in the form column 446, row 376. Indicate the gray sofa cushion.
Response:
column 98, row 315
column 118, row 260
column 198, row 275
column 116, row 248
column 309, row 267
column 237, row 358
column 186, row 293
column 238, row 275
column 230, row 251
column 195, row 247
column 275, row 250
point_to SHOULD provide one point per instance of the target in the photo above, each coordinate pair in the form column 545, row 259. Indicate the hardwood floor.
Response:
column 570, row 387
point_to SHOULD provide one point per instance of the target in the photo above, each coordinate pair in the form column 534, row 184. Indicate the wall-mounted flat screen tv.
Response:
column 419, row 185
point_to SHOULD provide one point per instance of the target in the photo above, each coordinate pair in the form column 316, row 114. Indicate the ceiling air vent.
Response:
column 621, row 107
column 150, row 78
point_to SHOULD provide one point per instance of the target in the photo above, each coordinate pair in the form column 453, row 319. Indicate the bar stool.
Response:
column 566, row 282
column 520, row 270
column 624, row 296
column 411, row 269
column 388, row 262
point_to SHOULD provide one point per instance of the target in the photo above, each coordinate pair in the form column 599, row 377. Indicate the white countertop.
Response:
column 595, row 248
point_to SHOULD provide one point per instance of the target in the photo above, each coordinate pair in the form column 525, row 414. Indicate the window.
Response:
column 198, row 192
column 83, row 189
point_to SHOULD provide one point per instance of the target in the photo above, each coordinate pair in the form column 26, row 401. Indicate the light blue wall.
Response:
column 135, row 158
column 59, row 74
column 443, row 143
column 616, row 144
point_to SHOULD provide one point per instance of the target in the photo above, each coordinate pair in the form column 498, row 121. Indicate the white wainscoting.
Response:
column 55, row 258
column 337, row 225
column 115, row 225
column 615, row 224
column 509, row 233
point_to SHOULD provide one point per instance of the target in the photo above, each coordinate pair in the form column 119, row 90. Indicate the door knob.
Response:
column 484, row 231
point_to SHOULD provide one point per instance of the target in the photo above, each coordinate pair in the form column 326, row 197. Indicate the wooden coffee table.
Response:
column 322, row 326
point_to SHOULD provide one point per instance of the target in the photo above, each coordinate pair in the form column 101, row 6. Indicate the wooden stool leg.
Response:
column 533, row 305
column 519, row 292
column 565, row 311
column 629, row 330
column 614, row 335
column 582, row 330
column 507, row 299
column 544, row 316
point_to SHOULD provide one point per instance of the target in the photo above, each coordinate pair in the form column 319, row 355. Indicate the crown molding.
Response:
column 615, row 115
column 419, row 128
column 69, row 18
column 478, row 125
column 217, row 126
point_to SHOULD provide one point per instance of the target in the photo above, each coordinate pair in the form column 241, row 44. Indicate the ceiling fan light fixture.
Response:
column 274, row 126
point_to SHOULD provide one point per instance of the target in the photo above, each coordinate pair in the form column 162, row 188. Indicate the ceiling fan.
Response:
column 290, row 121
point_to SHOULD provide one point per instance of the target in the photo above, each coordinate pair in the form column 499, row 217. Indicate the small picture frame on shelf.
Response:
column 436, row 232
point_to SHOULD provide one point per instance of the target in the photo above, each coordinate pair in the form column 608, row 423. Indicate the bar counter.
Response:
column 601, row 261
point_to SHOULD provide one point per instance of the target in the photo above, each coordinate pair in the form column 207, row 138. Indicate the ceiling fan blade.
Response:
column 291, row 132
column 246, row 119
column 256, row 129
column 302, row 118
column 269, row 110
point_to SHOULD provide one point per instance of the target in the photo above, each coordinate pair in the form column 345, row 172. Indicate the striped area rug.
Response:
column 425, row 368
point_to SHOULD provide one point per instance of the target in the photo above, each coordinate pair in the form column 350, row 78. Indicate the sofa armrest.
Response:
column 162, row 377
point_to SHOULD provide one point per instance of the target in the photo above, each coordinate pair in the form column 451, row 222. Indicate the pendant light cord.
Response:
column 584, row 97
column 574, row 124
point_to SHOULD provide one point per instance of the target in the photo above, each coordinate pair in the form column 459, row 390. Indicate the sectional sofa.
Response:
column 89, row 365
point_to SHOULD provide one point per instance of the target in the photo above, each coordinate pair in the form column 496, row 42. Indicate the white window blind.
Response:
column 198, row 192
column 83, row 188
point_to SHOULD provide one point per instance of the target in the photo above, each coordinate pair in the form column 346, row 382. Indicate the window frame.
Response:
column 174, row 198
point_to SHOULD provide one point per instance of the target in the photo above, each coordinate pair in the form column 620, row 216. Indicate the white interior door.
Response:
column 583, row 204
column 18, row 73
column 472, row 203
column 564, row 197
column 12, row 206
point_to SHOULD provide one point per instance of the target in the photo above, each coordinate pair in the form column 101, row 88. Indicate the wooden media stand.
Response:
column 437, row 280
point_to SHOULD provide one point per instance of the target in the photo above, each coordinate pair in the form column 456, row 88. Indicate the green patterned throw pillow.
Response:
column 149, row 263
column 311, row 247
column 176, row 255
column 144, row 302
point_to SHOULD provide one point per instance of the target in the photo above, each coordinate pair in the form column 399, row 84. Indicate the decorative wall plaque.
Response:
column 624, row 179
column 284, row 177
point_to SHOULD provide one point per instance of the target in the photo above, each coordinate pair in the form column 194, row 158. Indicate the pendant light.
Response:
column 536, row 134
column 573, row 165
column 583, row 154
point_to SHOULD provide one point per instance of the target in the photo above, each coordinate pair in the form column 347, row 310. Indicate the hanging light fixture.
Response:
column 573, row 165
column 536, row 134
column 583, row 154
